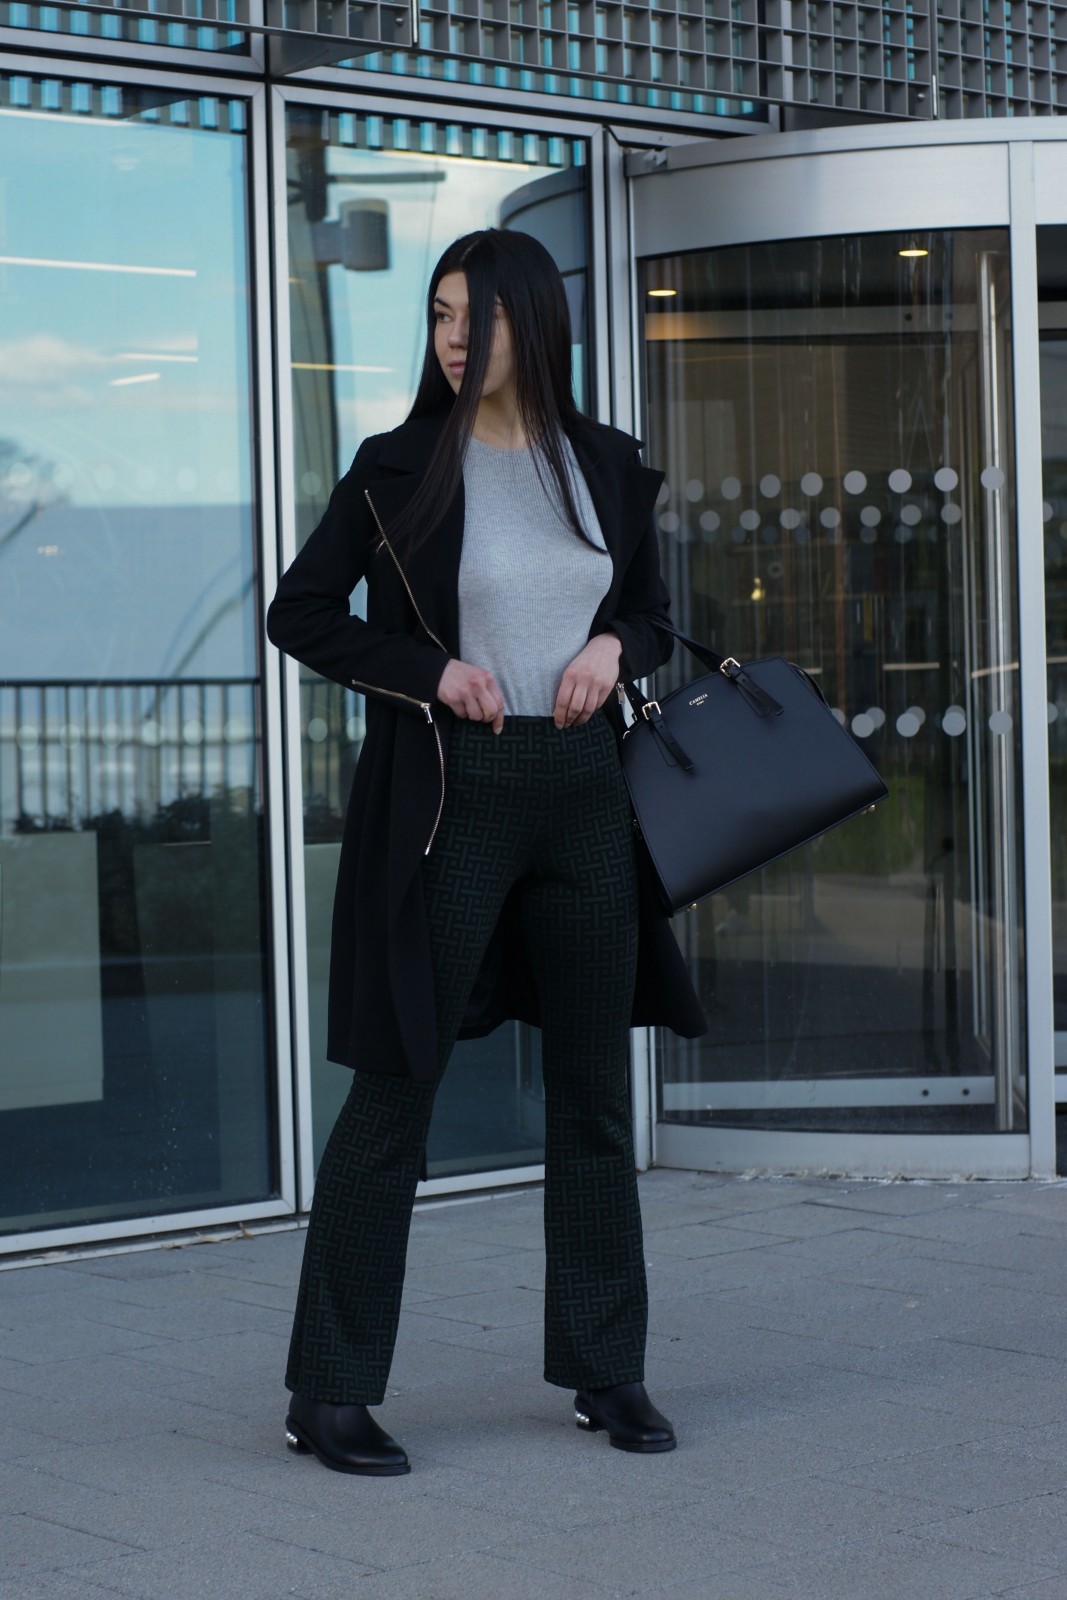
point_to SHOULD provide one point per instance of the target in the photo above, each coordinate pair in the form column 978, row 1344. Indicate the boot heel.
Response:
column 296, row 1444
column 585, row 1421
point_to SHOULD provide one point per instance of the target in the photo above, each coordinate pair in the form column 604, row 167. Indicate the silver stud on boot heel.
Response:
column 294, row 1443
column 581, row 1419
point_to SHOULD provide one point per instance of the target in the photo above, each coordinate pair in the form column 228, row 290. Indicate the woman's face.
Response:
column 451, row 319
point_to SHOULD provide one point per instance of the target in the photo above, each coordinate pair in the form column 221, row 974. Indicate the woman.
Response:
column 487, row 869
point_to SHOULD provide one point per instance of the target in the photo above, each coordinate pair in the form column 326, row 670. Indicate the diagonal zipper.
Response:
column 428, row 713
column 403, row 575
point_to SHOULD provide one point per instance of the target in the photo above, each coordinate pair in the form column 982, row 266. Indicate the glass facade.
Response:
column 134, row 1016
column 211, row 275
column 835, row 419
column 372, row 202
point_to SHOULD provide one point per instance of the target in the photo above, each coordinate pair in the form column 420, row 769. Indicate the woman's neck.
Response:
column 498, row 423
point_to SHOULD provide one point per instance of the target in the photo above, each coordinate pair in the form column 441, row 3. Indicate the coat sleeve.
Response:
column 642, row 598
column 309, row 617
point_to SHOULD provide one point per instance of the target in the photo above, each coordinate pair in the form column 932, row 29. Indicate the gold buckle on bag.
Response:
column 647, row 707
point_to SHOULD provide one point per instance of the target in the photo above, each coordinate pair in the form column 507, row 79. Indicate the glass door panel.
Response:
column 134, row 1043
column 834, row 418
column 373, row 201
column 1052, row 312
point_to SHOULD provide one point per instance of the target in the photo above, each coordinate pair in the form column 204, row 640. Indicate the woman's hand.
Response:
column 471, row 692
column 588, row 681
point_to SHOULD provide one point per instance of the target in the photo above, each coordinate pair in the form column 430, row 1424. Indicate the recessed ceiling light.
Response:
column 913, row 253
column 661, row 294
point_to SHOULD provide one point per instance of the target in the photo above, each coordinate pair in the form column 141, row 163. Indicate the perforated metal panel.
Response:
column 905, row 58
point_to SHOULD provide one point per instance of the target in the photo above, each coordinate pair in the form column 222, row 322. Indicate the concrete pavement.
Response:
column 869, row 1383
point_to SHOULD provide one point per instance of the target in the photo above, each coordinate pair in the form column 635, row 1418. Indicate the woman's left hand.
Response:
column 588, row 681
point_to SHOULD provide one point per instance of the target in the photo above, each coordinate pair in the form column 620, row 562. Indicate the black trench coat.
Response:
column 381, row 1006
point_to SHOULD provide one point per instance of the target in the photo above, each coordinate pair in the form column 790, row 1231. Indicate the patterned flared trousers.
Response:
column 543, row 811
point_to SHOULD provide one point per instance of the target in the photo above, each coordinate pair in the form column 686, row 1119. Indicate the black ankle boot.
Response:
column 625, row 1411
column 345, row 1438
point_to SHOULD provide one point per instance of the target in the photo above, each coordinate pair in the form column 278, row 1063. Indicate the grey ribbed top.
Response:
column 528, row 586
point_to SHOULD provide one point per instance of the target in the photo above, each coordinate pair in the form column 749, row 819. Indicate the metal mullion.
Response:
column 272, row 743
column 284, row 691
column 475, row 102
column 84, row 52
column 118, row 72
column 1033, row 667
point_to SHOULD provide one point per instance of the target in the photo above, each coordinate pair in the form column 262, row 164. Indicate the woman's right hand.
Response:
column 471, row 692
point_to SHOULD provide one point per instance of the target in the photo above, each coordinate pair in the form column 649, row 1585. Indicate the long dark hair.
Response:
column 517, row 270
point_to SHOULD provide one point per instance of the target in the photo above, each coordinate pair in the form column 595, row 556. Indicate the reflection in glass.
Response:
column 373, row 201
column 846, row 412
column 133, row 1032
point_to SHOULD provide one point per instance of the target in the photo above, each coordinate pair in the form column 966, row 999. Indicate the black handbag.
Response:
column 735, row 769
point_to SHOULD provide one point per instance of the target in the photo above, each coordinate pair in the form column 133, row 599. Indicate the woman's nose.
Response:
column 457, row 333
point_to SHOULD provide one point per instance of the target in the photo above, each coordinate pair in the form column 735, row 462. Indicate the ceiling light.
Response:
column 661, row 294
column 913, row 253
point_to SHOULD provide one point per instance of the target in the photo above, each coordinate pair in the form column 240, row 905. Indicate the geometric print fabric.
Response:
column 542, row 811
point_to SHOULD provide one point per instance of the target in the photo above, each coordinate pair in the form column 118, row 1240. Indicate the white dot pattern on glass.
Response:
column 769, row 486
column 830, row 517
column 908, row 725
column 951, row 514
column 912, row 515
column 802, row 534
column 838, row 714
column 946, row 479
column 709, row 521
column 900, row 480
column 954, row 721
column 664, row 493
column 1053, row 711
column 1000, row 722
column 355, row 728
column 854, row 482
column 730, row 488
column 877, row 716
column 192, row 731
column 317, row 730
column 1047, row 513
column 694, row 490
column 789, row 518
column 918, row 713
column 311, row 483
column 750, row 520
column 811, row 484
column 992, row 478
column 903, row 534
column 868, row 535
column 870, row 516
column 862, row 726
column 669, row 521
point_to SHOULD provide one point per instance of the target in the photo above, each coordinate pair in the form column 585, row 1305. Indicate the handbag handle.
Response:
column 763, row 704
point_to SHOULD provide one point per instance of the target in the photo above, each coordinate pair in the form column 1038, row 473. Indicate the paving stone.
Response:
column 868, row 1380
column 239, row 1566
